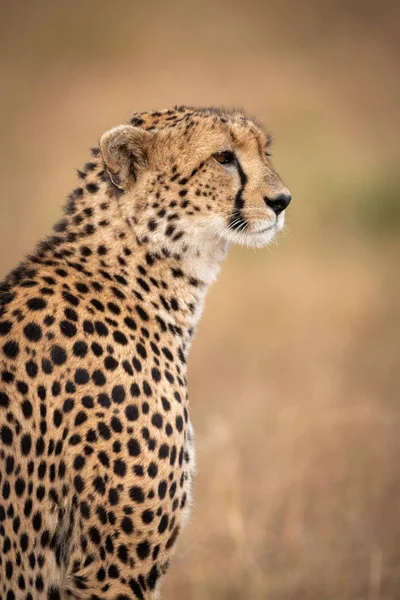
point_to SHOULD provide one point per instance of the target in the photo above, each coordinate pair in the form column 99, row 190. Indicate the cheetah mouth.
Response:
column 264, row 230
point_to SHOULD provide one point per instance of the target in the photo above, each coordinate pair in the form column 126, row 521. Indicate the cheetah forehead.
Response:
column 187, row 117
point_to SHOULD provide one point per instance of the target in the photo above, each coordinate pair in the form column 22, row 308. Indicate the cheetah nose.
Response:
column 279, row 203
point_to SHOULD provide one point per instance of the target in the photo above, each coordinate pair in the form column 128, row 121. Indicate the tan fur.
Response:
column 96, row 450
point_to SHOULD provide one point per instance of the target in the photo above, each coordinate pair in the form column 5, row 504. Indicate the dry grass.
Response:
column 294, row 375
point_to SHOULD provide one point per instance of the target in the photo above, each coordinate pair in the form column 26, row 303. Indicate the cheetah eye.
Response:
column 268, row 153
column 224, row 158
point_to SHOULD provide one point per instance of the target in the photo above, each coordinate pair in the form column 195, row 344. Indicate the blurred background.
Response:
column 294, row 374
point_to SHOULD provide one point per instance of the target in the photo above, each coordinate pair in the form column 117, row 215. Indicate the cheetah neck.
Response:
column 105, row 248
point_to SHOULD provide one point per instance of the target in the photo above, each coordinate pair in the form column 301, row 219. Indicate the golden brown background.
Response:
column 295, row 372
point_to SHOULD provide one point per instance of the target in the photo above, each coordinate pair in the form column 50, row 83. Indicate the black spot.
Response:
column 143, row 550
column 136, row 494
column 142, row 313
column 127, row 525
column 132, row 412
column 166, row 404
column 57, row 418
column 162, row 489
column 5, row 327
column 130, row 323
column 173, row 538
column 5, row 401
column 120, row 338
column 71, row 314
column 163, row 451
column 143, row 284
column 70, row 298
column 135, row 390
column 24, row 540
column 26, row 408
column 103, row 458
column 116, row 425
column 118, row 394
column 152, row 225
column 167, row 354
column 104, row 430
column 141, row 350
column 92, row 188
column 98, row 378
column 120, row 468
column 156, row 375
column 97, row 304
column 58, row 355
column 79, row 484
column 147, row 516
column 104, row 400
column 53, row 593
column 114, row 308
column 110, row 363
column 173, row 456
column 179, row 423
column 36, row 304
column 88, row 327
column 6, row 435
column 137, row 364
column 163, row 524
column 157, row 420
column 101, row 329
column 67, row 328
column 37, row 521
column 99, row 486
column 96, row 349
column 153, row 576
column 81, row 376
column 152, row 470
column 87, row 402
column 56, row 388
column 79, row 462
column 11, row 349
column 47, row 367
column 146, row 389
column 94, row 535
column 133, row 447
column 80, row 349
column 26, row 444
column 80, row 418
column 82, row 288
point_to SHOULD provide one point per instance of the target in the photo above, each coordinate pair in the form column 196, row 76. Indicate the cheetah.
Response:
column 96, row 446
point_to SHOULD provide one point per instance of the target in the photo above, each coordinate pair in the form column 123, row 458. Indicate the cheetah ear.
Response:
column 125, row 150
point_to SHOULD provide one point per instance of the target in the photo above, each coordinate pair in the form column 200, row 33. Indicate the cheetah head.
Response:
column 189, row 176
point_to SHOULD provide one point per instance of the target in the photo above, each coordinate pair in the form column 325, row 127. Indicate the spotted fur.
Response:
column 96, row 447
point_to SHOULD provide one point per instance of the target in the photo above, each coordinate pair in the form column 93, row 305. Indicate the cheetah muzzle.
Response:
column 96, row 450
